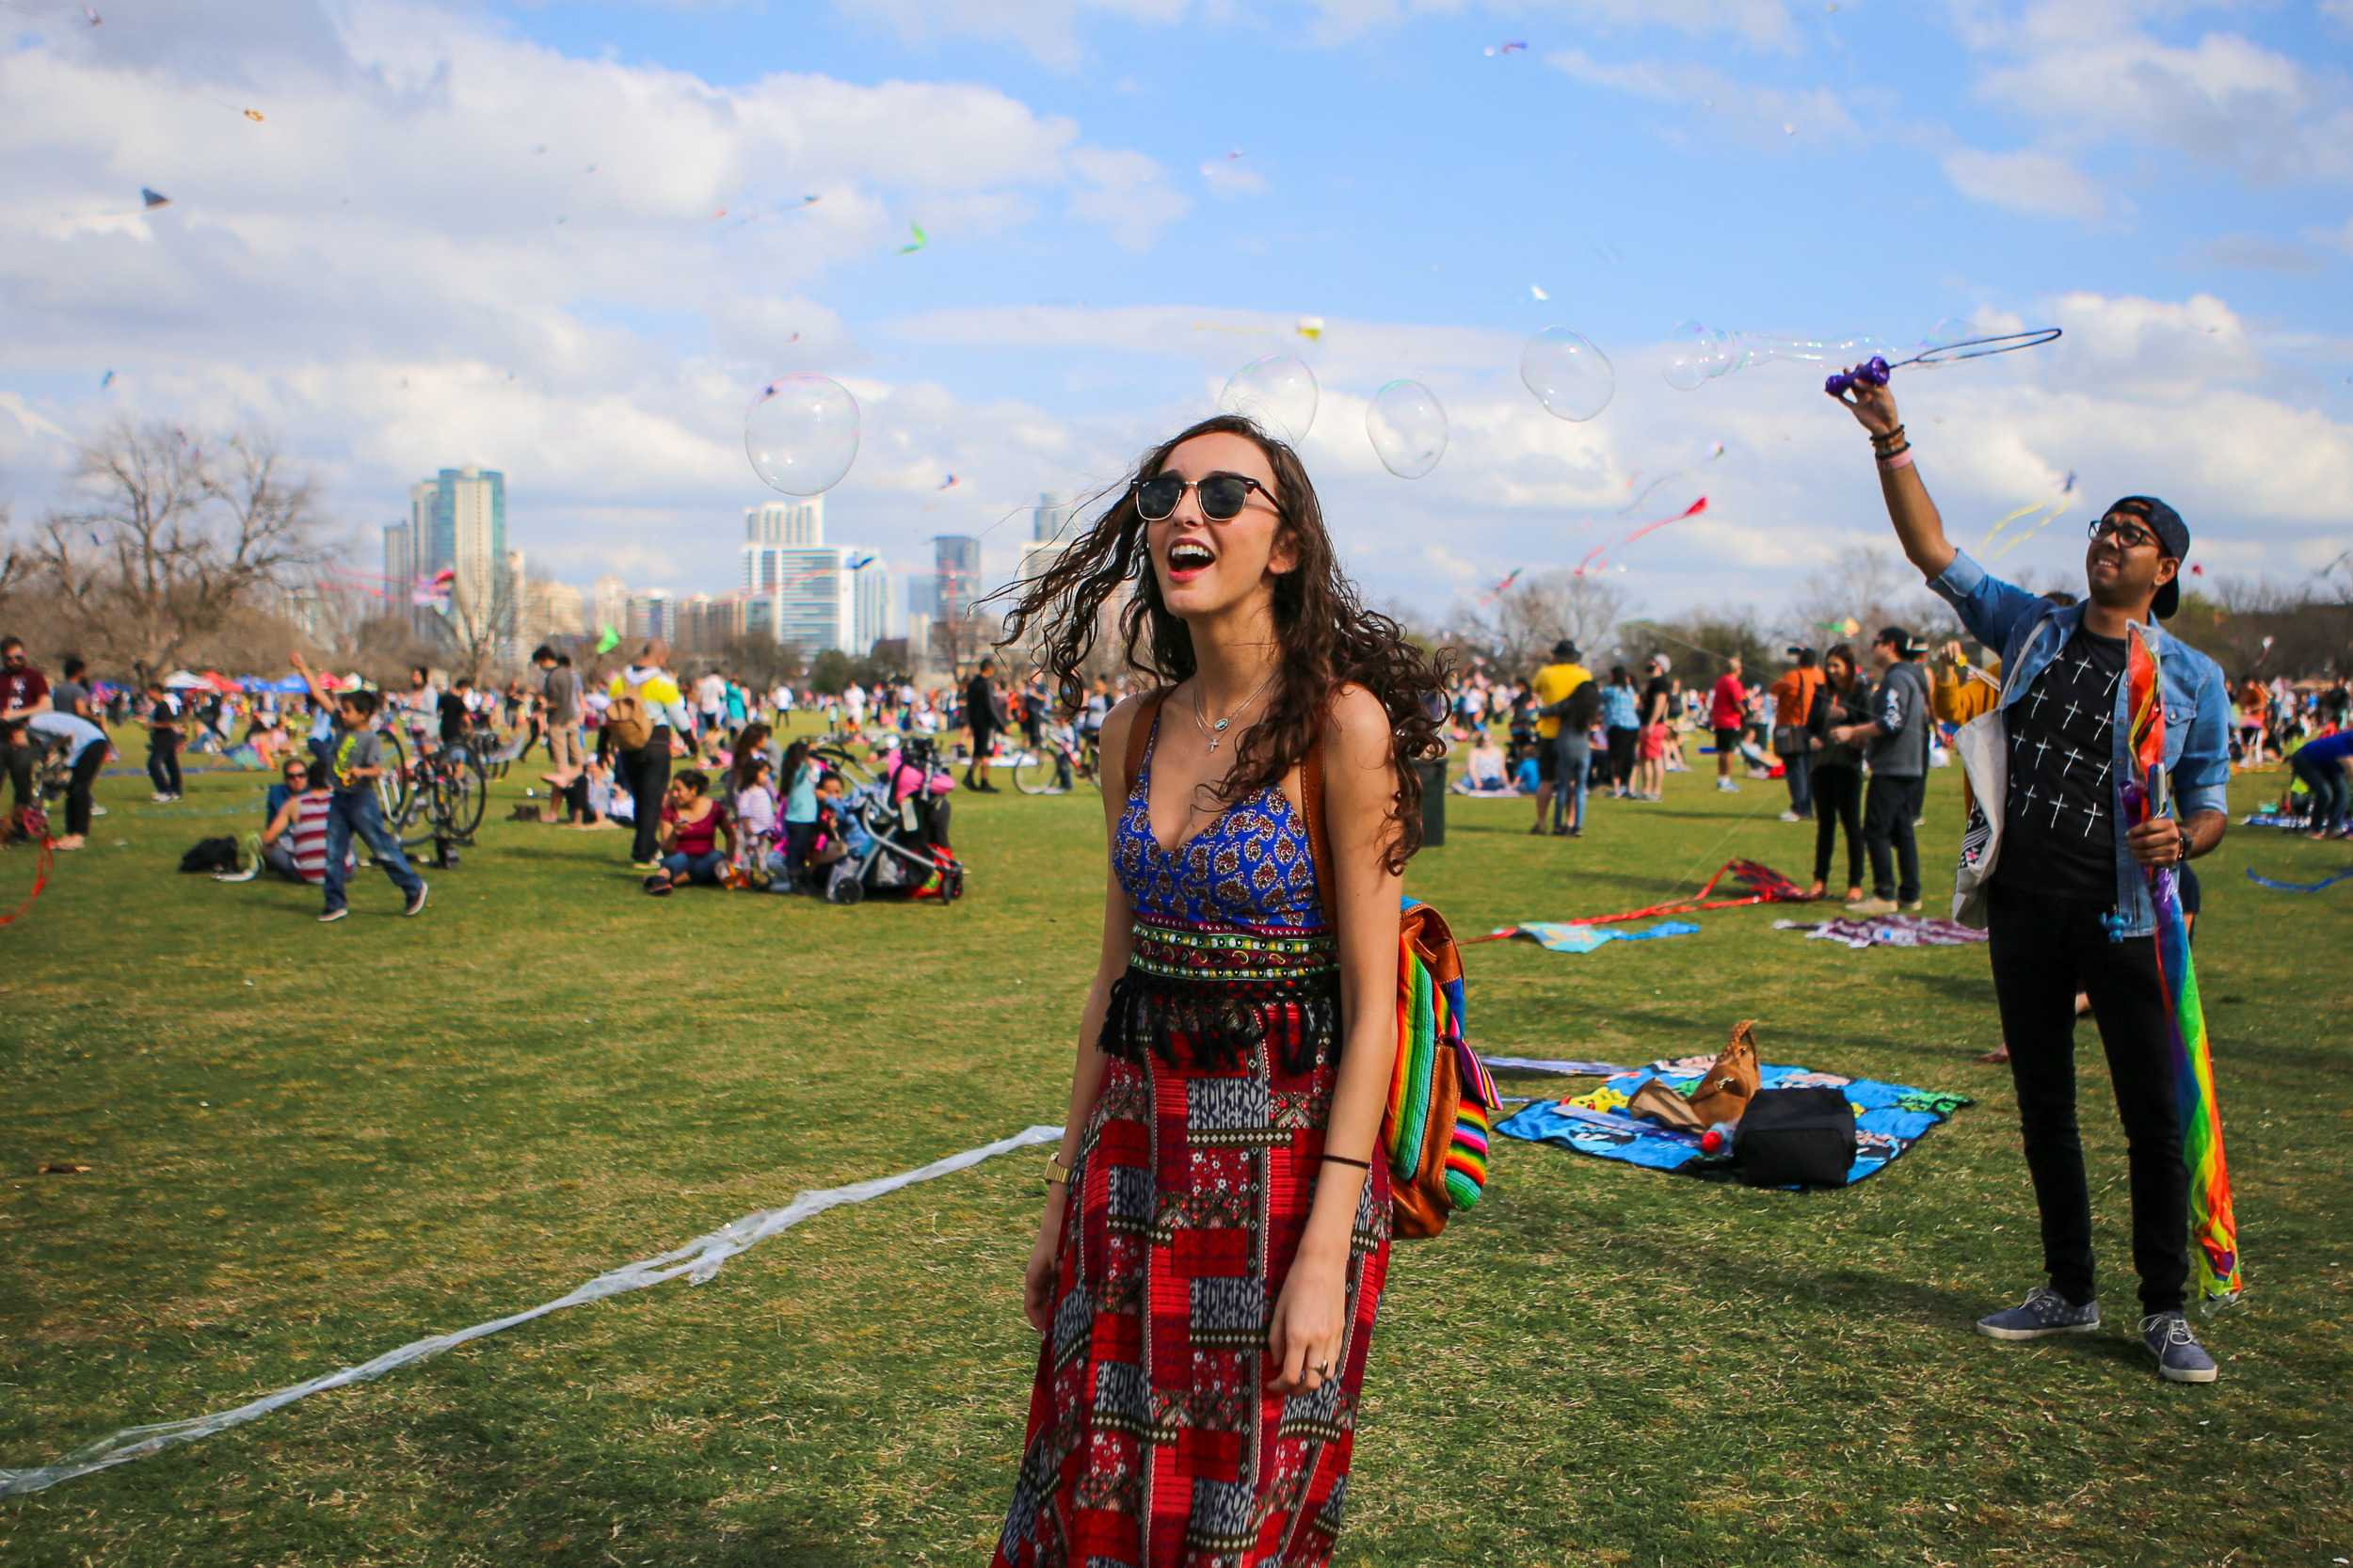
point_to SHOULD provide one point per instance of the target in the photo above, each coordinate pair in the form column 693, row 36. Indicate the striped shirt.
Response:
column 306, row 838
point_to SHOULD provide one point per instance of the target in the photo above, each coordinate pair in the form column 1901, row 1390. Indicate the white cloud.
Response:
column 2035, row 183
column 2086, row 75
column 1227, row 177
column 1046, row 28
column 1766, row 116
column 1766, row 23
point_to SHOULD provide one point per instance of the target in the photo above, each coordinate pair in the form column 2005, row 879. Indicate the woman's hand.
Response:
column 1039, row 1275
column 1305, row 1341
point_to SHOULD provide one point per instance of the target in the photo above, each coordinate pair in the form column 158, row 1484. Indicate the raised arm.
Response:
column 1919, row 527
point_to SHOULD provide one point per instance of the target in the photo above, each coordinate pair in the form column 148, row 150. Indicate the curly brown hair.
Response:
column 1326, row 635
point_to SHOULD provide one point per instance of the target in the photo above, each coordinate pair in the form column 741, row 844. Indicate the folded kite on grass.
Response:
column 1888, row 931
column 1565, row 937
column 1889, row 1118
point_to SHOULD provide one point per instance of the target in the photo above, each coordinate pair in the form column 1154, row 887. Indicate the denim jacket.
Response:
column 2030, row 631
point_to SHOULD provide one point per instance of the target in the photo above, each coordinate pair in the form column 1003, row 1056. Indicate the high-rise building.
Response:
column 774, row 526
column 608, row 604
column 648, row 614
column 877, row 615
column 549, row 610
column 813, row 597
column 956, row 574
column 1052, row 525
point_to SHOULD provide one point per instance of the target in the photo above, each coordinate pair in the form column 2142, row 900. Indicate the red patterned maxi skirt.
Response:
column 1153, row 1440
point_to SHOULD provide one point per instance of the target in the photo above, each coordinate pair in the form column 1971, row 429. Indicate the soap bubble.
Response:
column 1699, row 355
column 1407, row 428
column 802, row 434
column 1278, row 391
column 1569, row 375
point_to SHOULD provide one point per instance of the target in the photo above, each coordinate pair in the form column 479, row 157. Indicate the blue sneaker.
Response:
column 2044, row 1312
column 2180, row 1357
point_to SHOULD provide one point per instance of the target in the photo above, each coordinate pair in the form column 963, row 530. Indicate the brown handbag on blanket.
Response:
column 1655, row 1102
column 1733, row 1081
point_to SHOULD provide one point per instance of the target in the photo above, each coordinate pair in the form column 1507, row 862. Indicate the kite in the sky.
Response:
column 920, row 240
column 1715, row 450
column 1517, row 46
column 1538, row 293
column 1691, row 511
column 949, row 483
column 859, row 563
column 1310, row 327
column 107, row 380
column 150, row 199
column 1501, row 588
column 608, row 640
column 253, row 115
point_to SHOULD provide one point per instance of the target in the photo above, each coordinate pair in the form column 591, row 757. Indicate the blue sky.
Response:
column 364, row 271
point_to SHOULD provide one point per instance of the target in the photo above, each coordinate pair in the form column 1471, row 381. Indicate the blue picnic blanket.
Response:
column 1889, row 1117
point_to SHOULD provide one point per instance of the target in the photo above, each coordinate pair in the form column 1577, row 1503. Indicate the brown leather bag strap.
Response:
column 1140, row 733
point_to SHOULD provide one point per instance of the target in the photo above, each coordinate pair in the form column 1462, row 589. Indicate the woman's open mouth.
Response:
column 1187, row 559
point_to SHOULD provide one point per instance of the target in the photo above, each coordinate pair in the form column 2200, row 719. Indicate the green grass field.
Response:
column 308, row 1144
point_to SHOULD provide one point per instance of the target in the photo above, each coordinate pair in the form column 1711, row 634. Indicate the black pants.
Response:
column 1622, row 757
column 162, row 761
column 648, row 771
column 17, row 757
column 2045, row 949
column 78, row 788
column 1889, row 809
column 1837, row 801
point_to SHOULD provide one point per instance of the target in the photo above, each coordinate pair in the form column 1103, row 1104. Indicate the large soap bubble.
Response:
column 802, row 434
column 1569, row 375
column 1407, row 428
column 1278, row 391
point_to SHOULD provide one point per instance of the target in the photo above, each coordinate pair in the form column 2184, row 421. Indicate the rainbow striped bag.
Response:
column 1442, row 1101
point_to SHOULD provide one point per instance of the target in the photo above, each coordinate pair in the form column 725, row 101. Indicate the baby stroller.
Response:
column 894, row 851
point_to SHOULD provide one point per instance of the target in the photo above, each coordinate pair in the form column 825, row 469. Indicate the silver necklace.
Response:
column 1216, row 732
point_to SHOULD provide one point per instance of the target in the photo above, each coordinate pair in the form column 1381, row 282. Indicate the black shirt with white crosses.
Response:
column 2058, row 835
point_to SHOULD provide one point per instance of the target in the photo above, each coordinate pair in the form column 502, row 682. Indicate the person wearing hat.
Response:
column 1553, row 685
column 2068, row 900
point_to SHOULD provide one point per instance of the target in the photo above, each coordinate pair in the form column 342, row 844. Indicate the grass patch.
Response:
column 309, row 1145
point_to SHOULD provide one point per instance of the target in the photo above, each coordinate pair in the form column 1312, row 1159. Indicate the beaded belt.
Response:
column 1227, row 954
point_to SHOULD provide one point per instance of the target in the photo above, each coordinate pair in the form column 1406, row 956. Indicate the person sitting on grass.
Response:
column 591, row 803
column 691, row 825
column 294, row 844
column 753, row 803
column 1485, row 765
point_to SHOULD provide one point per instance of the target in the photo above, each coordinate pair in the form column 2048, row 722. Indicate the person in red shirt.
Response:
column 24, row 692
column 1727, row 712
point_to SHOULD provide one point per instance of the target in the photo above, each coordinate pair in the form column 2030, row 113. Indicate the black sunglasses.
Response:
column 1222, row 495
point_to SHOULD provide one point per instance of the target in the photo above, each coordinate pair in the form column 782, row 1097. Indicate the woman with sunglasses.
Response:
column 1216, row 1225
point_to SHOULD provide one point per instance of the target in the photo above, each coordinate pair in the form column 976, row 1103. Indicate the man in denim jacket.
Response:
column 2069, row 905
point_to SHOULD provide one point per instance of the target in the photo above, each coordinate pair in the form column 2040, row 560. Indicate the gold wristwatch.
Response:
column 1057, row 1173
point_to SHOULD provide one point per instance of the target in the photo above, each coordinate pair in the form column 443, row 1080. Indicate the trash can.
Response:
column 1432, row 770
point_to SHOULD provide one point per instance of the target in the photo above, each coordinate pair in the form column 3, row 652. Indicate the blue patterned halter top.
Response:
column 1250, row 867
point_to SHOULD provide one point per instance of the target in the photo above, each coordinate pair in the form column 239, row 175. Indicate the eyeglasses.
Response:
column 2131, row 536
column 1222, row 495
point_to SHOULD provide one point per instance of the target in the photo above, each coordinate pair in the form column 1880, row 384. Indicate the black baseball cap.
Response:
column 2172, row 537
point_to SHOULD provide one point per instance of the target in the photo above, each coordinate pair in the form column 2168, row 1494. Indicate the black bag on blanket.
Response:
column 211, row 854
column 1795, row 1137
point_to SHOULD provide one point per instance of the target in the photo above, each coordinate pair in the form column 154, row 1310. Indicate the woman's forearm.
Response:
column 1086, row 1073
column 1352, row 1132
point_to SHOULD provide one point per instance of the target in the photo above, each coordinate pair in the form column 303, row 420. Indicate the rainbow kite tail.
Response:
column 2213, row 1226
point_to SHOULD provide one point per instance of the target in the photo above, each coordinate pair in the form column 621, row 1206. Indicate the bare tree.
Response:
column 174, row 539
column 1517, row 628
column 479, row 626
column 1872, row 586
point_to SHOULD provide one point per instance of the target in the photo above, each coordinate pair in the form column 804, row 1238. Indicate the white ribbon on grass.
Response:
column 699, row 1260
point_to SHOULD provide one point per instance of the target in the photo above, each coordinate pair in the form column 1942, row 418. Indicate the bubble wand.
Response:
column 1875, row 370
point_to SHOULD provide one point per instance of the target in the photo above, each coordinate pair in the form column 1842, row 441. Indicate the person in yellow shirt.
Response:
column 638, row 732
column 1556, row 744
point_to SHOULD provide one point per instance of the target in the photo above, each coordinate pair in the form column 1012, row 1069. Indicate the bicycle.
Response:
column 1038, row 770
column 447, row 794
